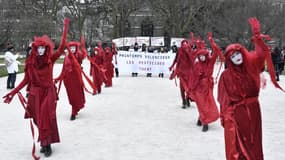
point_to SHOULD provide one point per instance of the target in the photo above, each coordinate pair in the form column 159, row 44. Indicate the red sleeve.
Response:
column 61, row 47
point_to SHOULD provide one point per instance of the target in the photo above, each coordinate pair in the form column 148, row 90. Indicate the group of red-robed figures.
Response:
column 101, row 71
column 194, row 66
column 41, row 85
column 238, row 89
column 238, row 86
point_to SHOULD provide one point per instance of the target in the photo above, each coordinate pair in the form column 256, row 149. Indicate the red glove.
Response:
column 255, row 25
column 8, row 97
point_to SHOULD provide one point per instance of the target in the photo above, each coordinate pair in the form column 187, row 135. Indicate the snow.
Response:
column 139, row 118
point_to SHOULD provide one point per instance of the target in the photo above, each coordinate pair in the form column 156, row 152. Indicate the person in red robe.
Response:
column 96, row 59
column 108, row 58
column 182, row 67
column 201, row 84
column 42, row 98
column 72, row 78
column 238, row 91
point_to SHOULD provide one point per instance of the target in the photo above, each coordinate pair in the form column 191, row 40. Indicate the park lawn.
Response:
column 3, row 70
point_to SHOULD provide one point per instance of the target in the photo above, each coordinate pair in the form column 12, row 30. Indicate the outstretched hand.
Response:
column 255, row 25
column 8, row 97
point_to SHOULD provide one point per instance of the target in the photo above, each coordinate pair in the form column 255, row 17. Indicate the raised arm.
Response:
column 83, row 47
column 62, row 44
column 215, row 48
column 216, row 51
column 262, row 50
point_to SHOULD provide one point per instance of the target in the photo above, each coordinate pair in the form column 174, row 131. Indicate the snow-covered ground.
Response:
column 139, row 118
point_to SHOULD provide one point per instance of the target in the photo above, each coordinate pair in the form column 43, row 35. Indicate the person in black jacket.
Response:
column 276, row 59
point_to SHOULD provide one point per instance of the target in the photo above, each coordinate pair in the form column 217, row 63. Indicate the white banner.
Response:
column 142, row 40
column 144, row 62
column 119, row 42
column 129, row 41
column 157, row 41
column 176, row 41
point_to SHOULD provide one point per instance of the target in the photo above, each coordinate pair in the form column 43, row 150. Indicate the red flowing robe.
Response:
column 109, row 66
column 201, row 89
column 184, row 64
column 42, row 97
column 238, row 91
column 96, row 69
column 72, row 80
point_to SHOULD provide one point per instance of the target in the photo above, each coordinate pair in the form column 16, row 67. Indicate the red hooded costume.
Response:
column 183, row 69
column 42, row 98
column 96, row 68
column 238, row 92
column 109, row 66
column 72, row 78
column 201, row 84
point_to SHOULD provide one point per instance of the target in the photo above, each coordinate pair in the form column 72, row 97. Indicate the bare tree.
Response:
column 180, row 17
column 120, row 11
column 79, row 11
column 229, row 19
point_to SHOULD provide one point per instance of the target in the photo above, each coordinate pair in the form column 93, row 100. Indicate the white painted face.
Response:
column 202, row 58
column 41, row 50
column 96, row 52
column 73, row 49
column 236, row 58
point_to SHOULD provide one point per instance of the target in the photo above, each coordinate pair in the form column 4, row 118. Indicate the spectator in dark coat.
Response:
column 282, row 58
column 276, row 59
column 136, row 47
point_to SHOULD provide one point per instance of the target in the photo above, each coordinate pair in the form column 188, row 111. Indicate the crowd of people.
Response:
column 238, row 86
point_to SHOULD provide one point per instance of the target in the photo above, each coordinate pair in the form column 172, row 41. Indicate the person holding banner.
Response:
column 115, row 53
column 134, row 48
column 174, row 48
column 42, row 98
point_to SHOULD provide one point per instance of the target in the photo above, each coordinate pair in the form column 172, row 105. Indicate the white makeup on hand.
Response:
column 73, row 49
column 236, row 58
column 41, row 50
